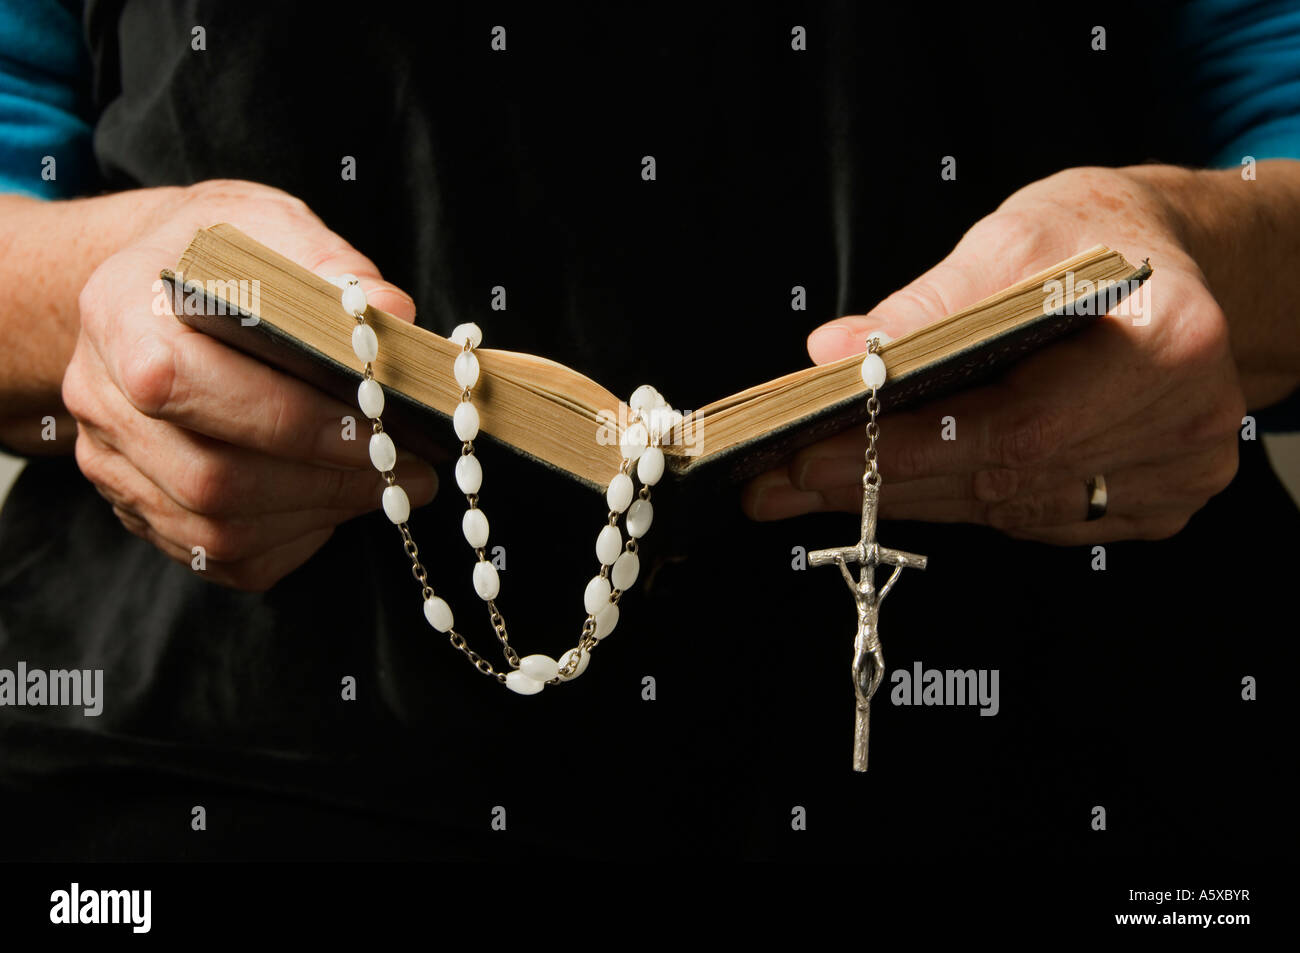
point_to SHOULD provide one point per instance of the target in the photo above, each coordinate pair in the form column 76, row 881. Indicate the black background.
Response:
column 1118, row 688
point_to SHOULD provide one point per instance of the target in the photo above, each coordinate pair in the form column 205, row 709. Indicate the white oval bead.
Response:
column 608, row 545
column 467, row 331
column 606, row 619
column 438, row 613
column 643, row 398
column 486, row 581
column 620, row 491
column 660, row 422
column 521, row 683
column 651, row 466
column 382, row 452
column 873, row 370
column 634, row 440
column 596, row 595
column 364, row 342
column 342, row 281
column 354, row 300
column 625, row 571
column 370, row 397
column 583, row 660
column 474, row 525
column 541, row 667
column 465, row 420
column 639, row 516
column 396, row 505
column 469, row 473
column 674, row 420
column 466, row 369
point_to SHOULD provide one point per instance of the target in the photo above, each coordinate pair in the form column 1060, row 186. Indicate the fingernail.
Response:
column 393, row 289
column 834, row 341
column 401, row 304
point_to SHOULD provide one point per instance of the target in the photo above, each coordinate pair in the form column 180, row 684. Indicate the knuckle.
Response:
column 132, row 523
column 1204, row 329
column 149, row 376
column 346, row 489
column 241, row 192
column 907, row 460
column 74, row 392
column 994, row 484
column 208, row 486
column 1011, row 234
column 1020, row 513
column 1217, row 424
column 1209, row 428
column 225, row 542
column 1029, row 440
column 1220, row 470
column 87, row 457
column 90, row 299
column 286, row 425
column 334, row 254
column 227, row 190
column 920, row 296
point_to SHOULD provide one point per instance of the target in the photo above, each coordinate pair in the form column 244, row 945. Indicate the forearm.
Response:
column 1245, row 236
column 47, row 252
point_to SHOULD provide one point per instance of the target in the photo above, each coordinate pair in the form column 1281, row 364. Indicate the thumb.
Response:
column 388, row 297
column 380, row 294
column 949, row 286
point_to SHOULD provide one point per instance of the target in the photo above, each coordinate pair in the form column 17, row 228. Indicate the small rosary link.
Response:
column 499, row 625
column 413, row 553
column 586, row 642
column 483, row 665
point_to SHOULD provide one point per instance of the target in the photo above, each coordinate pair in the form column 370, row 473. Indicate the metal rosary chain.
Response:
column 587, row 641
column 413, row 553
column 872, row 475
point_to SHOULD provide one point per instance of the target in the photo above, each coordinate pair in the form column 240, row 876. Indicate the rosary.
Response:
column 868, row 660
column 652, row 419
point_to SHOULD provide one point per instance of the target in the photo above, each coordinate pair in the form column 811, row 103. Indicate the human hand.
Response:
column 1154, row 407
column 195, row 444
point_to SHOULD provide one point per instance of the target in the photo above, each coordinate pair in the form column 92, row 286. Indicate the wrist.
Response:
column 51, row 248
column 1166, row 191
column 1238, row 232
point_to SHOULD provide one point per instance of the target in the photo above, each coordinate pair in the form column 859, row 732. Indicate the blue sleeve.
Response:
column 44, row 82
column 1245, row 59
column 1244, row 56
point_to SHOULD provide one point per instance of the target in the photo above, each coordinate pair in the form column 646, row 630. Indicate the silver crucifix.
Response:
column 868, row 661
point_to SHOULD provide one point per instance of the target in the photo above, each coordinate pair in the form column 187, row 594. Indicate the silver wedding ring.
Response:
column 1096, row 497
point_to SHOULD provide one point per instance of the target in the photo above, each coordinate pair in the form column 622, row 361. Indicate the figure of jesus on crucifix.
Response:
column 868, row 660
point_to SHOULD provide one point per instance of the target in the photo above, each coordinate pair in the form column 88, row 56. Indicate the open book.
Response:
column 230, row 286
